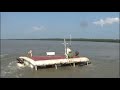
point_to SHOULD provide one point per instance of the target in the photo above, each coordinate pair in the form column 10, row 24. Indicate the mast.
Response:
column 65, row 46
column 70, row 40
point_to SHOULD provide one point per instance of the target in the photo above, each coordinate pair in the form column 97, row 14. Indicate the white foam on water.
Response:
column 11, row 70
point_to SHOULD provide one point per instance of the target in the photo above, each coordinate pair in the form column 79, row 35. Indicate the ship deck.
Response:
column 36, row 61
column 54, row 57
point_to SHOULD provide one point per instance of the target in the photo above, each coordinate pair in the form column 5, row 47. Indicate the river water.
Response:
column 103, row 55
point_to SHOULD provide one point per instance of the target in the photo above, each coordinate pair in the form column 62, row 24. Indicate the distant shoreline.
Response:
column 74, row 39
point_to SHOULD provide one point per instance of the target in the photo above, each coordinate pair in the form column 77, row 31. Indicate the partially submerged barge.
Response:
column 52, row 59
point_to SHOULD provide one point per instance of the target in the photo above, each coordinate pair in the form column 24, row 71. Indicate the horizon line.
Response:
column 61, row 38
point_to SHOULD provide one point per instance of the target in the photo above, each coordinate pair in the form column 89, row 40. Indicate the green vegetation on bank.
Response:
column 75, row 39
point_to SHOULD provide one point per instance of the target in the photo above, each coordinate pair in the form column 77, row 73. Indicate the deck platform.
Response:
column 52, row 60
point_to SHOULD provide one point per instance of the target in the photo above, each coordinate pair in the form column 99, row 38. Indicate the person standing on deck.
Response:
column 70, row 55
column 30, row 53
column 77, row 54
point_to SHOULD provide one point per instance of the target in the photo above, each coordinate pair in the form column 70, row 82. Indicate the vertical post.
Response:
column 65, row 48
column 86, row 63
column 36, row 68
column 55, row 66
column 73, row 64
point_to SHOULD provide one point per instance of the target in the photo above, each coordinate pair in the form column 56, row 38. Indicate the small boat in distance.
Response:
column 69, row 58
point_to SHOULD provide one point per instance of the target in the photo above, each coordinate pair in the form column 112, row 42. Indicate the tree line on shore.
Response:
column 75, row 39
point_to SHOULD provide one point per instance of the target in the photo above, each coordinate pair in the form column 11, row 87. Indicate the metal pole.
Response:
column 55, row 66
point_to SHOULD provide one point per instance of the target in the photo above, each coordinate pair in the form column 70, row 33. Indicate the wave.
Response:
column 11, row 70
